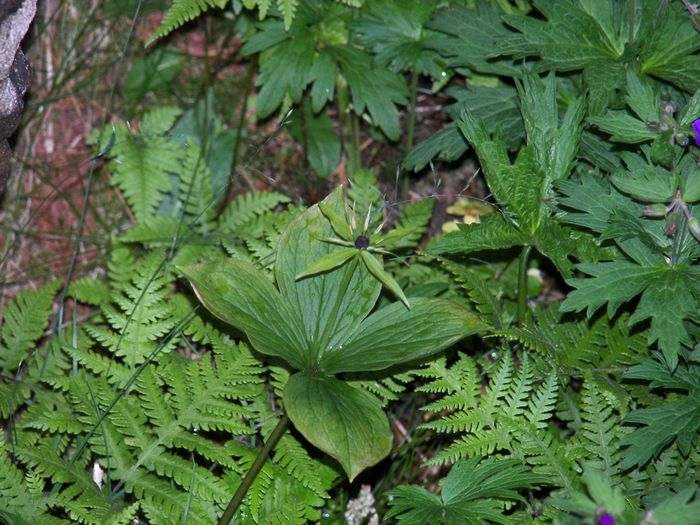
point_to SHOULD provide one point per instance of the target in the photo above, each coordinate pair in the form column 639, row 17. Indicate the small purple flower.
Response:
column 696, row 130
column 605, row 518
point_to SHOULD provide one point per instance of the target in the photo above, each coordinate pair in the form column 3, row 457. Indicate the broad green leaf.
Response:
column 652, row 184
column 594, row 201
column 598, row 152
column 269, row 34
column 691, row 186
column 669, row 296
column 642, row 98
column 395, row 335
column 613, row 283
column 344, row 421
column 284, row 70
column 678, row 509
column 691, row 111
column 670, row 51
column 676, row 420
column 570, row 39
column 472, row 494
column 559, row 243
column 668, row 301
column 494, row 233
column 241, row 295
column 604, row 79
column 555, row 145
column 623, row 127
column 380, row 96
column 469, row 37
column 314, row 298
column 396, row 32
column 323, row 75
column 376, row 268
column 520, row 186
column 447, row 144
column 497, row 107
column 413, row 505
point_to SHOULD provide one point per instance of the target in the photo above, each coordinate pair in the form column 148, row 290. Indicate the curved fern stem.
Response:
column 237, row 498
column 522, row 283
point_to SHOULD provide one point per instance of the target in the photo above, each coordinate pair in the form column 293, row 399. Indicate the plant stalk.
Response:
column 411, row 127
column 237, row 498
column 522, row 283
column 346, row 126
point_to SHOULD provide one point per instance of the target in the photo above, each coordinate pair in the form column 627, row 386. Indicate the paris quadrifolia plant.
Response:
column 317, row 314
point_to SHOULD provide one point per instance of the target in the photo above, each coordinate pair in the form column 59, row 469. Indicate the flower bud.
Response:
column 654, row 210
column 671, row 224
column 694, row 227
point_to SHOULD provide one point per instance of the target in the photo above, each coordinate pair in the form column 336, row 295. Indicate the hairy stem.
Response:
column 522, row 283
column 237, row 498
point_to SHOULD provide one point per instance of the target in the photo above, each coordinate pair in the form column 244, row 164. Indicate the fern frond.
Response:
column 140, row 317
column 21, row 497
column 90, row 291
column 578, row 344
column 542, row 403
column 600, row 432
column 518, row 394
column 24, row 320
column 477, row 443
column 181, row 12
column 415, row 217
column 244, row 208
column 459, row 383
column 141, row 167
column 479, row 292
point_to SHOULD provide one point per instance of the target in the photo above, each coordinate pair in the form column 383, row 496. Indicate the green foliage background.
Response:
column 580, row 116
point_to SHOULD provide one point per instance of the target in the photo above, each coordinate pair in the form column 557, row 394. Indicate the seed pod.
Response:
column 654, row 210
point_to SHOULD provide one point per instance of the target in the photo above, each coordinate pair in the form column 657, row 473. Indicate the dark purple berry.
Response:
column 361, row 242
column 606, row 519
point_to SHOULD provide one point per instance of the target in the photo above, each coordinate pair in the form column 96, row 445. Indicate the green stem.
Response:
column 349, row 272
column 357, row 160
column 346, row 124
column 522, row 283
column 631, row 21
column 412, row 111
column 254, row 470
column 235, row 158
